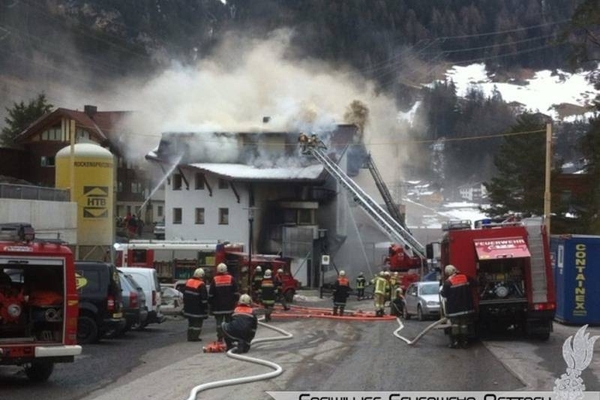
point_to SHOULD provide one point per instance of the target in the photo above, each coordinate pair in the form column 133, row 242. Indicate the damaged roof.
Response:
column 255, row 160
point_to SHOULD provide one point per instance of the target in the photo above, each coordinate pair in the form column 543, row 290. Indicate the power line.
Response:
column 506, row 31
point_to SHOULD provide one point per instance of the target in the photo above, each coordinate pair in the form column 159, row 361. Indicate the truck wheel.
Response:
column 420, row 313
column 39, row 371
column 289, row 296
column 405, row 313
column 87, row 330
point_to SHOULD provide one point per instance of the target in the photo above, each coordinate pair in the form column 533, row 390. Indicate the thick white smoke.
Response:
column 246, row 80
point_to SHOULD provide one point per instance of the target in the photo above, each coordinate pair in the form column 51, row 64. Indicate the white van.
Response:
column 148, row 280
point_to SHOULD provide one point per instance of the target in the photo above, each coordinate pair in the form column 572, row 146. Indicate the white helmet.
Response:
column 280, row 271
column 396, row 273
column 245, row 299
column 387, row 273
column 199, row 273
column 399, row 290
column 342, row 273
column 258, row 268
column 381, row 273
column 268, row 273
column 221, row 268
column 450, row 269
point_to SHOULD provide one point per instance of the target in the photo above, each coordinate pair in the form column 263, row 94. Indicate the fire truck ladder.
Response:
column 381, row 217
column 385, row 193
column 539, row 283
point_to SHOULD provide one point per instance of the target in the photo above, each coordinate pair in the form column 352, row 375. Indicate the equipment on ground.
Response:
column 510, row 264
column 38, row 302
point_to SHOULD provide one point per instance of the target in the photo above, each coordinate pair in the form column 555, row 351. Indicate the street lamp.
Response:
column 251, row 211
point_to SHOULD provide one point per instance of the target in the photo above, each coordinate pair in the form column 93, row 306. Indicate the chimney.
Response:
column 90, row 110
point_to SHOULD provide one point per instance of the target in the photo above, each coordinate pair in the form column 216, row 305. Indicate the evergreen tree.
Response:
column 21, row 115
column 520, row 182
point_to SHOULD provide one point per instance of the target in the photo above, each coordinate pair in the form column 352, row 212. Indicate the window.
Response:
column 137, row 187
column 223, row 184
column 121, row 162
column 177, row 182
column 139, row 256
column 119, row 187
column 199, row 216
column 47, row 161
column 199, row 181
column 53, row 134
column 305, row 217
column 177, row 216
column 159, row 211
column 223, row 216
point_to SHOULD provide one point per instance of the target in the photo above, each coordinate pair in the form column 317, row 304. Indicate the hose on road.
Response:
column 277, row 370
column 420, row 335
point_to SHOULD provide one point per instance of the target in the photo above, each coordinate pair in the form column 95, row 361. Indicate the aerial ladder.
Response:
column 393, row 210
column 381, row 217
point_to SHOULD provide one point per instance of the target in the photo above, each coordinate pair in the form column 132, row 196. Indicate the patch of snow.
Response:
column 582, row 117
column 540, row 93
column 242, row 171
column 409, row 116
column 460, row 204
column 465, row 213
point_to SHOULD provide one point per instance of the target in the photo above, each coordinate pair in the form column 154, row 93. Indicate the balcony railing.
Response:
column 28, row 192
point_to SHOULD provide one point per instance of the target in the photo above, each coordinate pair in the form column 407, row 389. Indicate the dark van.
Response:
column 100, row 301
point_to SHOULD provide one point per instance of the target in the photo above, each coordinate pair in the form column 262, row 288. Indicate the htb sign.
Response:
column 96, row 202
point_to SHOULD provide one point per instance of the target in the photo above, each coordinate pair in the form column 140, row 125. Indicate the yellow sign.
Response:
column 80, row 281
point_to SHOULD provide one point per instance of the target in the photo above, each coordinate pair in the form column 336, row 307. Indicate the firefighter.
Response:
column 267, row 294
column 459, row 305
column 397, row 305
column 379, row 293
column 388, row 287
column 195, row 304
column 360, row 286
column 222, row 296
column 257, row 279
column 278, row 280
column 240, row 331
column 394, row 283
column 303, row 140
column 341, row 292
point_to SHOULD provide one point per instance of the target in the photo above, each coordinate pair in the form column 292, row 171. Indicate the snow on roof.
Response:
column 247, row 172
column 538, row 94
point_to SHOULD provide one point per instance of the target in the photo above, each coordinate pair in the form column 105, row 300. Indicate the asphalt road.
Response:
column 98, row 366
column 323, row 355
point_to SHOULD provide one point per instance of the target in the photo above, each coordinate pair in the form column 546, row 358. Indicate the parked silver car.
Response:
column 423, row 300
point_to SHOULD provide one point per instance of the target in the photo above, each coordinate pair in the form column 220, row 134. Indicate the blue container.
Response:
column 576, row 266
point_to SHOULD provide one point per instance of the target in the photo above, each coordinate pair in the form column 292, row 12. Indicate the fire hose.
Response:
column 420, row 335
column 277, row 370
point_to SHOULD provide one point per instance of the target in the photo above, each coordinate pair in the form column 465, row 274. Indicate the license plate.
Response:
column 117, row 315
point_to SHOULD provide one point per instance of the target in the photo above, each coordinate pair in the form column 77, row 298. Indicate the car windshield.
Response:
column 430, row 288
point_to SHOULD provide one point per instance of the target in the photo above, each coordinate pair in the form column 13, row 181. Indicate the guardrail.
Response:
column 30, row 192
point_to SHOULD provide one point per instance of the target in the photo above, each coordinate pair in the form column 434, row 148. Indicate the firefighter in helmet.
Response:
column 388, row 286
column 257, row 279
column 222, row 296
column 278, row 280
column 341, row 291
column 240, row 331
column 397, row 305
column 380, row 284
column 457, row 290
column 195, row 305
column 303, row 140
column 267, row 294
column 360, row 286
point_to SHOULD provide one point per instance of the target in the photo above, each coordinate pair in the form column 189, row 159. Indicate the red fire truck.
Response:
column 38, row 302
column 510, row 262
column 175, row 261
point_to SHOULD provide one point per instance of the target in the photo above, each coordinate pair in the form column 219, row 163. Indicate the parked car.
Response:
column 134, row 303
column 100, row 301
column 159, row 230
column 423, row 300
column 172, row 300
column 148, row 280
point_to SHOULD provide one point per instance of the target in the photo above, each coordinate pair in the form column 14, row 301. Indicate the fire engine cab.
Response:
column 38, row 302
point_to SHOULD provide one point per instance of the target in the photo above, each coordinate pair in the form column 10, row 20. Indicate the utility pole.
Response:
column 547, row 193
